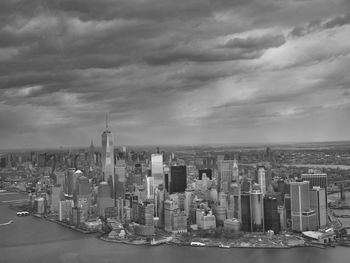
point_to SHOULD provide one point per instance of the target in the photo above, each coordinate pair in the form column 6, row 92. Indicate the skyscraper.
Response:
column 178, row 179
column 257, row 211
column 303, row 218
column 157, row 169
column 225, row 174
column 316, row 179
column 108, row 155
column 318, row 203
column 120, row 177
column 262, row 179
column 271, row 216
column 246, row 213
column 235, row 172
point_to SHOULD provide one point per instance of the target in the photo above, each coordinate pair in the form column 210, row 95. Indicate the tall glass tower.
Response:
column 108, row 155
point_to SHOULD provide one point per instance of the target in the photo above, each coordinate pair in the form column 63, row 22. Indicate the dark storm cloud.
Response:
column 157, row 65
column 318, row 25
column 192, row 54
column 255, row 43
column 159, row 10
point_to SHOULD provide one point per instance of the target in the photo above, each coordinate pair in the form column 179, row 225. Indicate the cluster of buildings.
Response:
column 166, row 193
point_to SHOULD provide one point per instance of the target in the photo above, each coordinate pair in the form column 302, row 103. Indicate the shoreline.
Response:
column 171, row 243
column 212, row 244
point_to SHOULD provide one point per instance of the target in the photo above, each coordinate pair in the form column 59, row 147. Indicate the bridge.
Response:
column 344, row 186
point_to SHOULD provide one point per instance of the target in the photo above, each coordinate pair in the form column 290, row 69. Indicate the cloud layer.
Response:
column 173, row 72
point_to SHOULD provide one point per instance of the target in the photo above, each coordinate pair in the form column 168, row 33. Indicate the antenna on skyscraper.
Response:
column 106, row 120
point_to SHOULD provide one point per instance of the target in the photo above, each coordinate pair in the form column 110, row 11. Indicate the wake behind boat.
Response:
column 4, row 224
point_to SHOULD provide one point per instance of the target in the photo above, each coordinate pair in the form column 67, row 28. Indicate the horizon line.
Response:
column 248, row 144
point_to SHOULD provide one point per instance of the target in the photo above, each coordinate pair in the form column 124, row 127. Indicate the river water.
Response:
column 30, row 239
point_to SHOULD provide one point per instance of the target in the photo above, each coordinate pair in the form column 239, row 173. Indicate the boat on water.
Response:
column 5, row 224
column 224, row 246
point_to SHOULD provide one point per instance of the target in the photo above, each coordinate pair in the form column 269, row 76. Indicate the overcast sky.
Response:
column 173, row 72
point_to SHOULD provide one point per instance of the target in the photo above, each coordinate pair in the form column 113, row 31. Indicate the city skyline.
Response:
column 187, row 73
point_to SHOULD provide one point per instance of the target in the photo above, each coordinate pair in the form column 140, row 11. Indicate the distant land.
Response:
column 248, row 145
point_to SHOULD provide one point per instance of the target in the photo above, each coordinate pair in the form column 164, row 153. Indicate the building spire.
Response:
column 107, row 121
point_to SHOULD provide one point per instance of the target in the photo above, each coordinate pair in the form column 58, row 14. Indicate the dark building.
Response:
column 178, row 179
column 206, row 172
column 246, row 213
column 271, row 216
column 69, row 181
column 166, row 182
column 288, row 206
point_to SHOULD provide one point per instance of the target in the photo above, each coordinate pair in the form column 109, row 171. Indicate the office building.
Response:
column 189, row 196
column 257, row 211
column 205, row 219
column 246, row 212
column 108, row 156
column 262, row 179
column 65, row 210
column 303, row 218
column 149, row 187
column 56, row 196
column 282, row 217
column 318, row 180
column 69, row 181
column 179, row 222
column 60, row 178
column 288, row 206
column 120, row 178
column 157, row 169
column 178, row 179
column 170, row 207
column 235, row 200
column 318, row 204
column 146, row 214
column 271, row 215
column 235, row 171
column 104, row 199
column 225, row 174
